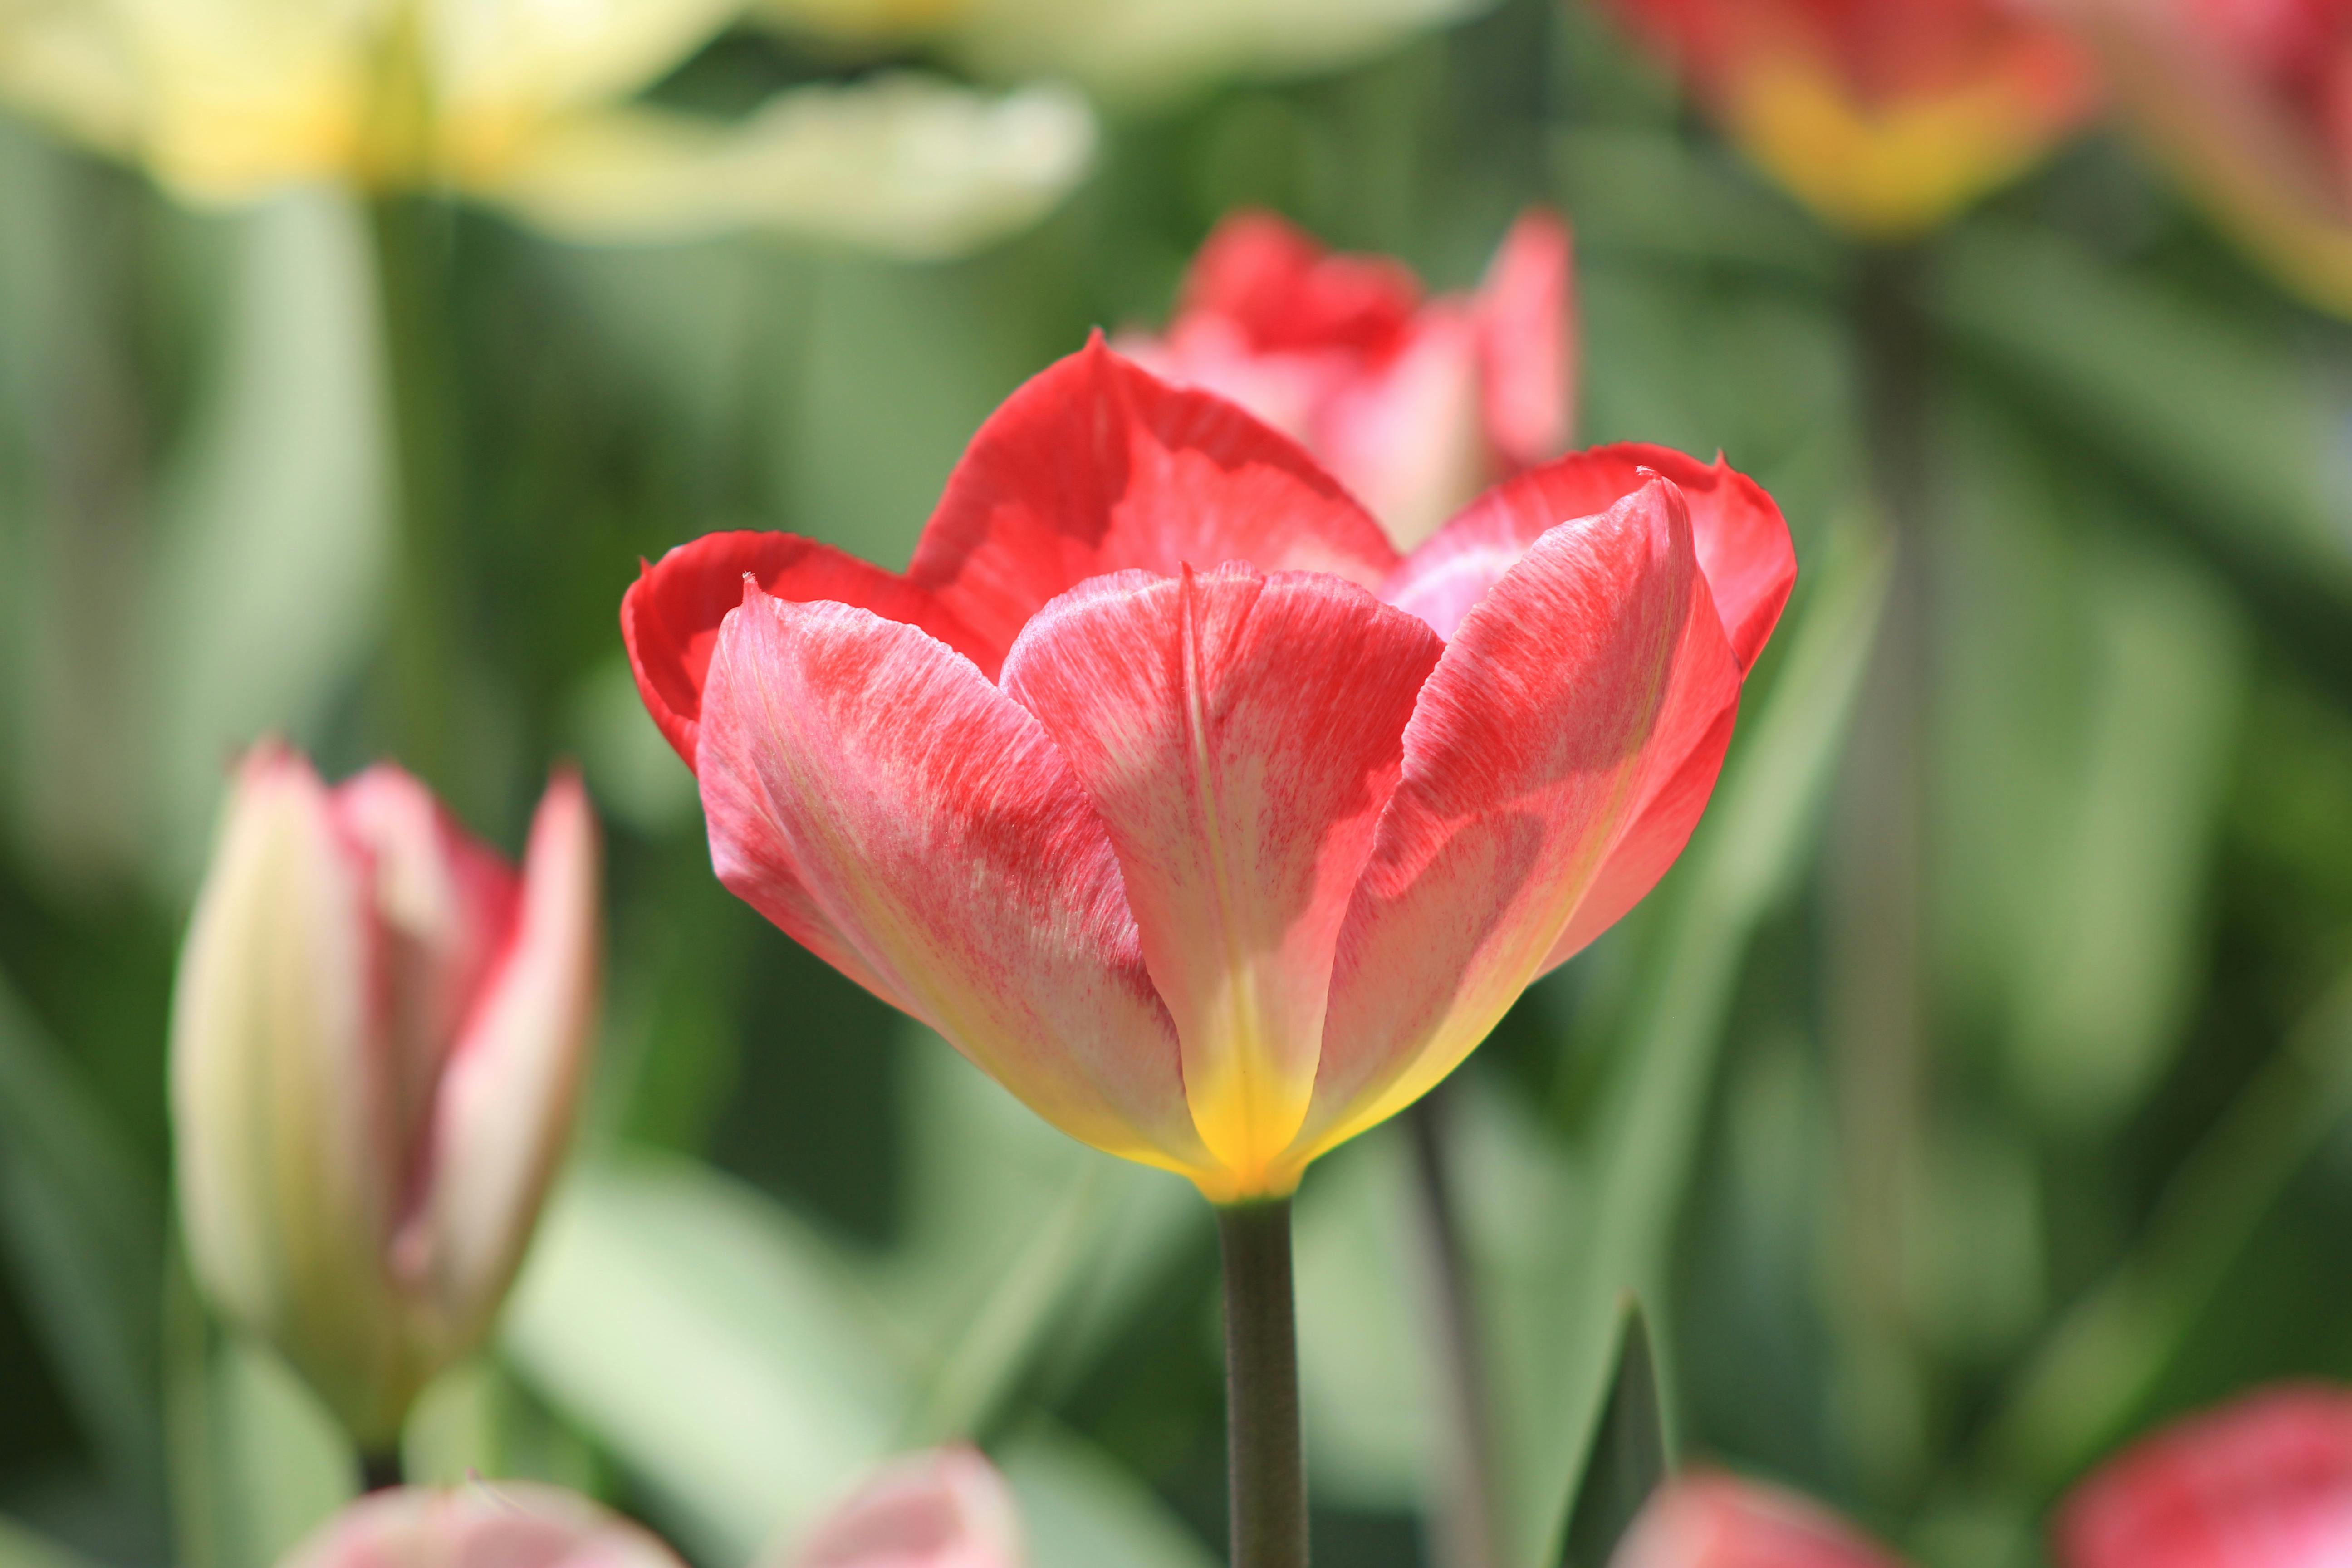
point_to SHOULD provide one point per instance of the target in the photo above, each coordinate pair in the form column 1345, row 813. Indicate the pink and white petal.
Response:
column 670, row 615
column 502, row 1112
column 2265, row 1482
column 941, row 836
column 1239, row 736
column 1526, row 312
column 1718, row 1521
column 506, row 1524
column 1595, row 666
column 1097, row 466
column 947, row 1509
column 1741, row 539
column 1410, row 438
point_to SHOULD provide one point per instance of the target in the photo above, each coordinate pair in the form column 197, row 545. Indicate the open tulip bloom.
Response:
column 1172, row 796
column 377, row 1039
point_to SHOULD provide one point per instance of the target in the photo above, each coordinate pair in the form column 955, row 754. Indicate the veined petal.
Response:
column 1528, row 328
column 502, row 1113
column 1595, row 664
column 938, row 830
column 900, row 163
column 1718, row 1521
column 943, row 1510
column 1239, row 736
column 1740, row 537
column 670, row 615
column 1096, row 466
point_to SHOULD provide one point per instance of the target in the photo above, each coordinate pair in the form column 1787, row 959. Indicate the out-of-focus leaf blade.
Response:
column 1631, row 1454
column 1079, row 1509
column 1740, row 862
column 23, row 1547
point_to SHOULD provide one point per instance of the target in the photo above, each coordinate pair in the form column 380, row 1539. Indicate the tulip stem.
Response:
column 1264, row 1458
column 380, row 1471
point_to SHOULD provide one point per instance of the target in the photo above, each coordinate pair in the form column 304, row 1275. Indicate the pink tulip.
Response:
column 1169, row 794
column 378, row 1037
column 1416, row 405
column 948, row 1508
column 502, row 1524
column 1707, row 1520
column 2263, row 1483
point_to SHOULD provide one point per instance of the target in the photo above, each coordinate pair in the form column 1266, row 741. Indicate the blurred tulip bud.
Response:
column 1416, row 405
column 947, row 1509
column 1709, row 1521
column 377, row 1038
column 1886, row 116
column 2251, row 101
column 513, row 1524
column 2263, row 1483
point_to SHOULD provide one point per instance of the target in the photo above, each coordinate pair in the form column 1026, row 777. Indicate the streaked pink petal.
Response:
column 948, row 1509
column 1595, row 666
column 1239, row 736
column 502, row 1112
column 483, row 1524
column 1527, row 327
column 1097, row 466
column 2263, row 1483
column 670, row 615
column 1741, row 539
column 951, row 854
column 1718, row 1521
column 1409, row 436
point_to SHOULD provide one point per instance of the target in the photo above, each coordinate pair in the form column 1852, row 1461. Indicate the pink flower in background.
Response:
column 1167, row 792
column 2265, row 1482
column 502, row 1524
column 377, row 1038
column 1712, row 1520
column 946, row 1508
column 1415, row 404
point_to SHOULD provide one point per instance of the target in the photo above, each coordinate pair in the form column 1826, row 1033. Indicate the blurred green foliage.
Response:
column 2111, row 1183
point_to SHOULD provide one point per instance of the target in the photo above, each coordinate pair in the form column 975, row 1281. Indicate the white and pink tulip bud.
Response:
column 378, row 1037
column 506, row 1524
column 945, row 1509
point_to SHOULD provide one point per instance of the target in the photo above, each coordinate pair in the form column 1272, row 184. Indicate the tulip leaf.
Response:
column 1742, row 861
column 1631, row 1452
column 82, row 1239
column 23, row 1547
column 1080, row 1510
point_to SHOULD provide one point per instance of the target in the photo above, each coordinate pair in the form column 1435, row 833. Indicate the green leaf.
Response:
column 1739, row 865
column 1631, row 1453
column 1080, row 1510
column 23, row 1547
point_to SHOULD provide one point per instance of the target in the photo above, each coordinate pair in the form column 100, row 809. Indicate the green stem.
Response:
column 1266, row 1461
column 411, row 243
column 1468, row 1512
column 380, row 1472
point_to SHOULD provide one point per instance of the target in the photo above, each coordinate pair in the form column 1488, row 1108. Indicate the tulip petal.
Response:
column 1276, row 283
column 1594, row 667
column 2263, row 1483
column 508, row 1524
column 1741, row 539
column 1718, row 1521
column 950, row 851
column 670, row 615
column 1097, row 466
column 522, row 58
column 502, row 1113
column 1408, row 437
column 1527, row 324
column 1239, row 736
column 943, row 1510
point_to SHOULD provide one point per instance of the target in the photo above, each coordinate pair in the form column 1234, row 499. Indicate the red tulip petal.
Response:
column 1742, row 541
column 944, row 856
column 1239, row 736
column 670, row 615
column 1097, row 466
column 1716, row 1521
column 1410, row 438
column 1277, row 283
column 2263, row 1483
column 1526, row 326
column 1591, row 671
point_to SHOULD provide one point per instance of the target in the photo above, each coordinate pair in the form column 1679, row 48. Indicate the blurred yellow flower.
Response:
column 525, row 103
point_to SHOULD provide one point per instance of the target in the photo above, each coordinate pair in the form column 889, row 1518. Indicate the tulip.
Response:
column 508, row 1524
column 2252, row 103
column 1885, row 116
column 378, row 1037
column 1415, row 405
column 527, row 105
column 1709, row 1521
column 1169, row 794
column 2263, row 1483
column 947, row 1509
